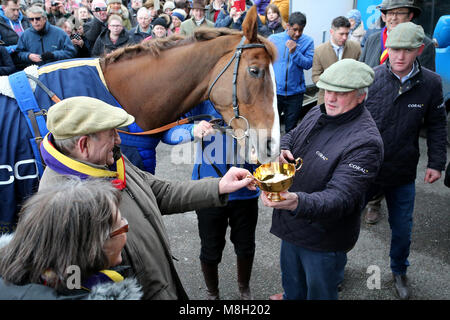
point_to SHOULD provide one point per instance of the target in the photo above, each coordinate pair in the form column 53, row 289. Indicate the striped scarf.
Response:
column 384, row 52
column 65, row 165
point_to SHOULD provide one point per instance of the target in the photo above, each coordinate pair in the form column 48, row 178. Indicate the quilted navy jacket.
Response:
column 399, row 111
column 341, row 157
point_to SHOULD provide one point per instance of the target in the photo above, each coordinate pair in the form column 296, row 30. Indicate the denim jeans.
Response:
column 400, row 205
column 310, row 275
column 291, row 106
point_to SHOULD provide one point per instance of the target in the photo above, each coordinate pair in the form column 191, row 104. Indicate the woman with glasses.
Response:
column 115, row 36
column 68, row 238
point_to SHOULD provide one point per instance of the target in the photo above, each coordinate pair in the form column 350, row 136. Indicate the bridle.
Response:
column 216, row 123
column 236, row 56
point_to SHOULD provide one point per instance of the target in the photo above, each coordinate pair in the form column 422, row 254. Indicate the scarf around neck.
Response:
column 65, row 165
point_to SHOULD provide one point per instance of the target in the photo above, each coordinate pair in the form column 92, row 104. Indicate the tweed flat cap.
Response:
column 78, row 116
column 346, row 75
column 406, row 35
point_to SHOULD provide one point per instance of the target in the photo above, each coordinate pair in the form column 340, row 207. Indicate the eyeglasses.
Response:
column 397, row 14
column 98, row 9
column 35, row 19
column 121, row 230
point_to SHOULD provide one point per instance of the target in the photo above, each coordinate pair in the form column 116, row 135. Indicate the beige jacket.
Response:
column 189, row 26
column 144, row 201
column 324, row 56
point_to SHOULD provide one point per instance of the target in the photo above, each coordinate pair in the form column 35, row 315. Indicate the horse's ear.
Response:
column 250, row 25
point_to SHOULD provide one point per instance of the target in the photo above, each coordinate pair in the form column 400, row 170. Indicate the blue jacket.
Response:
column 215, row 150
column 289, row 66
column 53, row 40
column 341, row 157
column 7, row 33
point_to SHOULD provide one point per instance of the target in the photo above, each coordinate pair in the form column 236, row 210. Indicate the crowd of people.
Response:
column 64, row 29
column 363, row 117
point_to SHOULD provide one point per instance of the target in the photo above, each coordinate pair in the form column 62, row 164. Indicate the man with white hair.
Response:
column 98, row 24
column 83, row 142
column 144, row 28
column 43, row 42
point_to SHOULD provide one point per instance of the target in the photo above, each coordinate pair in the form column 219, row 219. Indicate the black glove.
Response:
column 46, row 56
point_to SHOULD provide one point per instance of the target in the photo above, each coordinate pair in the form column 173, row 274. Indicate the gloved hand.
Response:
column 46, row 56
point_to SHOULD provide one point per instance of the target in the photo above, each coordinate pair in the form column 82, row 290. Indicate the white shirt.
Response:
column 338, row 50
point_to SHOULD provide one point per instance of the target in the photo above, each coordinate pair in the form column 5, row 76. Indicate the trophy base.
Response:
column 275, row 196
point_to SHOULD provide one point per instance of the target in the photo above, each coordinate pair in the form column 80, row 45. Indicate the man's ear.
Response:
column 82, row 147
column 420, row 49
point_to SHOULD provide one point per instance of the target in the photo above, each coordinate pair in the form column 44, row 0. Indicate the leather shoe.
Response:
column 373, row 215
column 401, row 286
column 278, row 296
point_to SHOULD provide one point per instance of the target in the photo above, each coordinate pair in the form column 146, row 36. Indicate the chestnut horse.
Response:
column 157, row 82
column 160, row 80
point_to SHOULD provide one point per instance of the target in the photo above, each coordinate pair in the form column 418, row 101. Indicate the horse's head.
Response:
column 254, row 92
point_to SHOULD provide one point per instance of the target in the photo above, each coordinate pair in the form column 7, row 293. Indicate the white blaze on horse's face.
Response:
column 264, row 143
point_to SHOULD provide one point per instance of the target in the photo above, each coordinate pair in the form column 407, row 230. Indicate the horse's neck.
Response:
column 159, row 90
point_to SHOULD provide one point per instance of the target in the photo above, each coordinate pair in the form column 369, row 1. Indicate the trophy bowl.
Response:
column 275, row 177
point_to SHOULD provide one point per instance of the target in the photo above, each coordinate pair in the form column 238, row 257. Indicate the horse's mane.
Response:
column 155, row 46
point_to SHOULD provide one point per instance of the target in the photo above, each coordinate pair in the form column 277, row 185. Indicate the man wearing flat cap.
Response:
column 394, row 12
column 342, row 151
column 403, row 96
column 198, row 19
column 83, row 141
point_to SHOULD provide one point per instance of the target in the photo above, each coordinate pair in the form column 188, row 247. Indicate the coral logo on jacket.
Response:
column 415, row 105
column 356, row 167
column 321, row 155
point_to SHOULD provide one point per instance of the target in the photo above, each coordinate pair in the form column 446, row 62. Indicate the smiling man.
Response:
column 83, row 142
column 403, row 96
column 394, row 12
column 319, row 221
column 295, row 54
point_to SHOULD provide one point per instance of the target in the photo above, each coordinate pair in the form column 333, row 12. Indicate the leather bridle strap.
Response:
column 168, row 126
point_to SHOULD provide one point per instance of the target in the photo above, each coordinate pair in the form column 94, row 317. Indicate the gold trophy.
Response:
column 275, row 177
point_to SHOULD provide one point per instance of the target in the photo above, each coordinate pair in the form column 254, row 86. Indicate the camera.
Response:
column 75, row 36
column 55, row 3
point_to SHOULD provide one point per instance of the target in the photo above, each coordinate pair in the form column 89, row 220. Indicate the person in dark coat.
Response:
column 394, row 12
column 6, row 63
column 114, row 37
column 143, row 28
column 374, row 53
column 98, row 24
column 43, row 42
column 342, row 151
column 403, row 96
column 274, row 23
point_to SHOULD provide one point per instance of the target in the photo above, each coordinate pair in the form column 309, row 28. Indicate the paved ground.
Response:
column 429, row 272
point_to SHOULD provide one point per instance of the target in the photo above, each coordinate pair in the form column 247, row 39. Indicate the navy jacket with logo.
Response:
column 399, row 111
column 341, row 157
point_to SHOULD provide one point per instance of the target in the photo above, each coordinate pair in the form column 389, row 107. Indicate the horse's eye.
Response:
column 255, row 72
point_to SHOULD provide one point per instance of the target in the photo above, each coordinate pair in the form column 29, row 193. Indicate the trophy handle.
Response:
column 298, row 163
